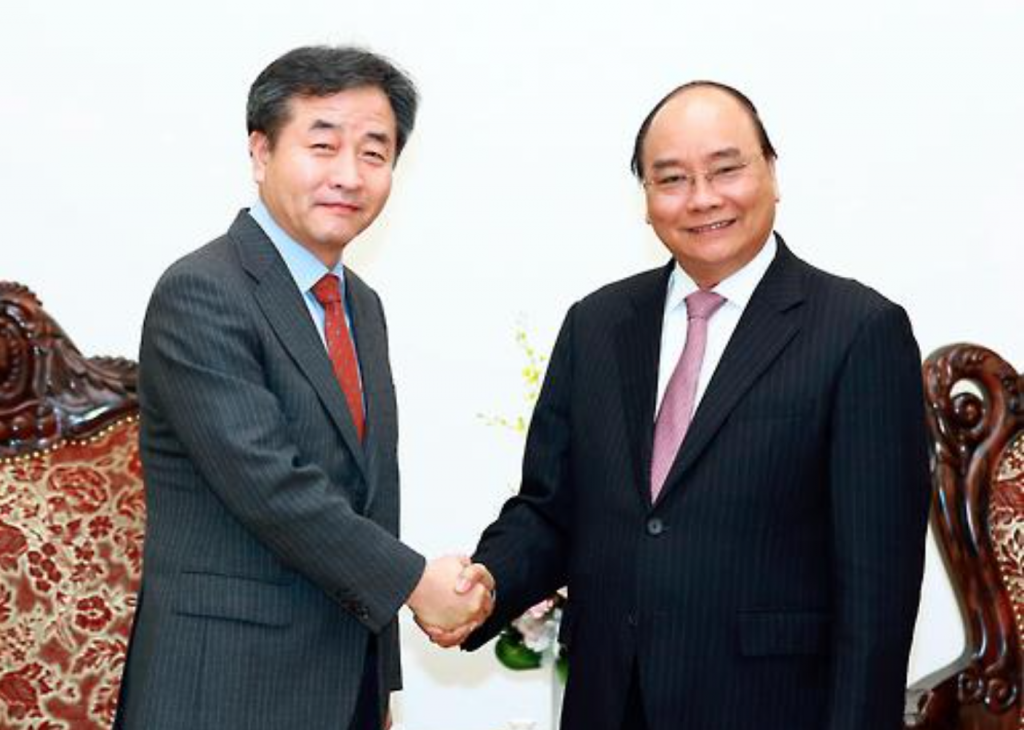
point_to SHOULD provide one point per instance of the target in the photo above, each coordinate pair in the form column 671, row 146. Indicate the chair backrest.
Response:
column 72, row 516
column 976, row 416
column 50, row 392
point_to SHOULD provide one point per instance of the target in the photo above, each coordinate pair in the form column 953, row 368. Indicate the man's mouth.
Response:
column 341, row 207
column 711, row 227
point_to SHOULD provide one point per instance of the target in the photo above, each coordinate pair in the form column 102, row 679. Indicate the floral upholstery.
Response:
column 71, row 526
column 1006, row 526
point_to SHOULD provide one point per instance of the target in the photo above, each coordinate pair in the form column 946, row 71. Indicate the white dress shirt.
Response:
column 737, row 290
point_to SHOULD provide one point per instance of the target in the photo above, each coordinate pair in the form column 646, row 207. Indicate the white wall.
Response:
column 898, row 124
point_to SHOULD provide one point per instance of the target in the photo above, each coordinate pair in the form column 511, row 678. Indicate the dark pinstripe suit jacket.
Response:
column 271, row 554
column 774, row 584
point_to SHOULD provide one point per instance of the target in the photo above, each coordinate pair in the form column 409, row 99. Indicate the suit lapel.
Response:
column 638, row 344
column 285, row 310
column 371, row 348
column 765, row 329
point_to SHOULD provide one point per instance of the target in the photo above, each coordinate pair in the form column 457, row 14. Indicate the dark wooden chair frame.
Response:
column 975, row 412
column 49, row 391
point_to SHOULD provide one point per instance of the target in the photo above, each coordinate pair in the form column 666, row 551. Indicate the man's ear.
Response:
column 775, row 180
column 259, row 154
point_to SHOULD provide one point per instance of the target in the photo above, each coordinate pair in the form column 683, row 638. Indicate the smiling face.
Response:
column 717, row 221
column 328, row 173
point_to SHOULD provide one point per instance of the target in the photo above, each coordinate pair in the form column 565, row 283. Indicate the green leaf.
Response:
column 513, row 653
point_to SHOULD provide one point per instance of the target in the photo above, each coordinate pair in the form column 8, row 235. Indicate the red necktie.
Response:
column 340, row 348
column 680, row 394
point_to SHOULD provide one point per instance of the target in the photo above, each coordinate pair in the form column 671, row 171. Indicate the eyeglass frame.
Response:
column 712, row 177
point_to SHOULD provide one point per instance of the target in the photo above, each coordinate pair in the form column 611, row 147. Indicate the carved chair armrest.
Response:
column 932, row 702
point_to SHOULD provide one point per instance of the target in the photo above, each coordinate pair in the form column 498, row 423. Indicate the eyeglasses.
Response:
column 720, row 178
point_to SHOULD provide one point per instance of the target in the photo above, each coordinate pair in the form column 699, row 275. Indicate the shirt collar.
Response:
column 305, row 268
column 737, row 288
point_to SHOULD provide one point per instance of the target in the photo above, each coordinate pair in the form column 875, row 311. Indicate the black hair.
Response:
column 313, row 71
column 637, row 164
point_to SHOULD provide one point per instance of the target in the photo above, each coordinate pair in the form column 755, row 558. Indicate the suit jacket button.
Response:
column 655, row 526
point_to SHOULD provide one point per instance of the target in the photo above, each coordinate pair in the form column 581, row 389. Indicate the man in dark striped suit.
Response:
column 273, row 570
column 726, row 466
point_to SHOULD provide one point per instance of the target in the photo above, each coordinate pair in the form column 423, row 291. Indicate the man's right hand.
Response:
column 439, row 607
column 472, row 579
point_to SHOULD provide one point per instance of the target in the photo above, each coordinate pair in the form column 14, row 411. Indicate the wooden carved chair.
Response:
column 976, row 415
column 71, row 522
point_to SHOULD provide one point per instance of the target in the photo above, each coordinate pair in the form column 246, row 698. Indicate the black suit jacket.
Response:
column 774, row 584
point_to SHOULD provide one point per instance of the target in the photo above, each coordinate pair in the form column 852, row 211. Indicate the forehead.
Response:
column 365, row 108
column 697, row 123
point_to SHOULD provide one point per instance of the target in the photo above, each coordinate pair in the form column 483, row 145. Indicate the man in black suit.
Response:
column 273, row 568
column 726, row 466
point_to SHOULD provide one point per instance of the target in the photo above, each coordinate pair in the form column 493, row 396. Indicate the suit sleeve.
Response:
column 526, row 547
column 879, row 487
column 202, row 359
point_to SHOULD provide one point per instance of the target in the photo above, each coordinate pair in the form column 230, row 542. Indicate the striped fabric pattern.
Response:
column 774, row 583
column 271, row 557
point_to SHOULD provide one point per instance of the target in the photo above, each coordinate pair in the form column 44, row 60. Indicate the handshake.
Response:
column 453, row 597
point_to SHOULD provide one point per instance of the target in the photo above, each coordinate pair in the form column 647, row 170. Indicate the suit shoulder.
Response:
column 212, row 260
column 211, row 273
column 843, row 296
column 616, row 293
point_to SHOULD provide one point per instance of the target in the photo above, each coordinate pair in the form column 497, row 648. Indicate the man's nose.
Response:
column 345, row 172
column 703, row 194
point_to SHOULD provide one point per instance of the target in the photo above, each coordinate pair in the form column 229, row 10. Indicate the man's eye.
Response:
column 321, row 146
column 671, row 180
column 375, row 155
column 726, row 171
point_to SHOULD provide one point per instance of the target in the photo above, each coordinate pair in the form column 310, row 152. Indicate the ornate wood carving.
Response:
column 975, row 410
column 48, row 390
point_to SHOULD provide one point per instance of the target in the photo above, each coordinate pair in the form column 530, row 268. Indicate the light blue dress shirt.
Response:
column 306, row 269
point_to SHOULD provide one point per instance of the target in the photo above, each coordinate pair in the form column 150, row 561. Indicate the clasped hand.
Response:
column 453, row 597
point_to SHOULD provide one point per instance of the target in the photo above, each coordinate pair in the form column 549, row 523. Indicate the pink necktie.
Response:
column 677, row 405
